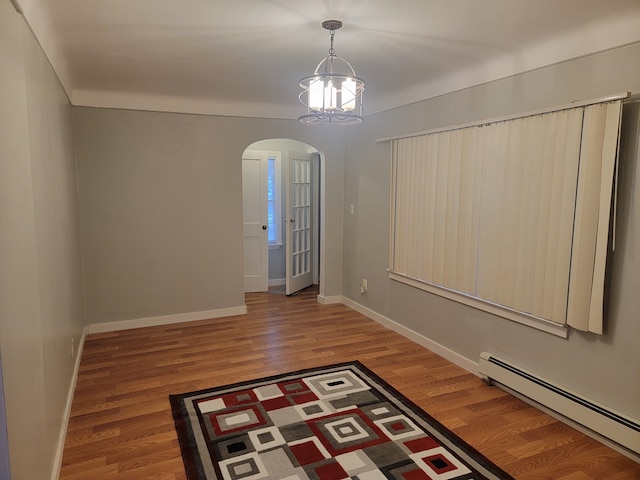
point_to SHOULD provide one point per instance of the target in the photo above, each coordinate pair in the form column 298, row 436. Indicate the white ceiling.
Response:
column 245, row 57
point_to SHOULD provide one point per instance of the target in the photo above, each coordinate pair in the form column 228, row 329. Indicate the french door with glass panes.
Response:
column 299, row 273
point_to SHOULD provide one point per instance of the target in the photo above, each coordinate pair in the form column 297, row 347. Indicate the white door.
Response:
column 254, row 207
column 299, row 273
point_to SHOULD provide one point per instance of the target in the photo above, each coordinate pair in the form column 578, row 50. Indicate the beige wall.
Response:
column 161, row 209
column 40, row 283
column 604, row 368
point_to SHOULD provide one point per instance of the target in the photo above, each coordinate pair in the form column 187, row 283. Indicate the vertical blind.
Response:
column 513, row 213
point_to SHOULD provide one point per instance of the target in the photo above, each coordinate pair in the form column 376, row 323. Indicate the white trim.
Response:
column 57, row 460
column 278, row 195
column 330, row 299
column 152, row 102
column 557, row 329
column 477, row 123
column 166, row 319
column 276, row 282
column 435, row 347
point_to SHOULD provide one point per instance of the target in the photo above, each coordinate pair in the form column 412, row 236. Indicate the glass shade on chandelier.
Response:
column 333, row 94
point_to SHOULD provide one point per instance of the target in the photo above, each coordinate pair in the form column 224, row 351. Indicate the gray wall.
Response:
column 605, row 368
column 40, row 274
column 160, row 200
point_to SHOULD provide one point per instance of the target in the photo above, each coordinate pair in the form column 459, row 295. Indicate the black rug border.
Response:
column 195, row 471
column 192, row 465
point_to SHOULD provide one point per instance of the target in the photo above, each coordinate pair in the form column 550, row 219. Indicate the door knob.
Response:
column 264, row 227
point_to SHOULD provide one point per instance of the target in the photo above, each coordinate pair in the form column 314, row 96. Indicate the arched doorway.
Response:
column 281, row 209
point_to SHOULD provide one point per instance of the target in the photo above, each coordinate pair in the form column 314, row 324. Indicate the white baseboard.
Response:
column 328, row 300
column 166, row 319
column 435, row 347
column 57, row 461
column 276, row 282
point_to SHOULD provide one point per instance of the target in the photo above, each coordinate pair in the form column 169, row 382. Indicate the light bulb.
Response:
column 349, row 95
column 330, row 95
column 316, row 88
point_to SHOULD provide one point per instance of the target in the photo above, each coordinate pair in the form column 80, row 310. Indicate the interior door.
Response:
column 299, row 273
column 254, row 207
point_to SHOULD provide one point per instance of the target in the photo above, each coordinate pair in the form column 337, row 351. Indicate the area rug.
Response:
column 334, row 422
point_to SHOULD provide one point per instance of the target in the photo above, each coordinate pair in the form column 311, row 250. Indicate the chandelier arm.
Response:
column 324, row 61
column 333, row 57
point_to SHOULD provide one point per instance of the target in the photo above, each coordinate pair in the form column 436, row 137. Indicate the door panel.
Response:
column 254, row 207
column 299, row 239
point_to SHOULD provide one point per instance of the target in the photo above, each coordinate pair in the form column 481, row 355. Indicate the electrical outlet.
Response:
column 364, row 284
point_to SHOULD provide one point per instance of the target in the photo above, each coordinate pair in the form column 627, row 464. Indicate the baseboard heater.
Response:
column 603, row 421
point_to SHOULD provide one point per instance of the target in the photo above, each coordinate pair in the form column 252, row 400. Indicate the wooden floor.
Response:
column 121, row 425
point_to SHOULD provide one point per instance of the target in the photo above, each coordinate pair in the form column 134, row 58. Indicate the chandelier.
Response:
column 333, row 94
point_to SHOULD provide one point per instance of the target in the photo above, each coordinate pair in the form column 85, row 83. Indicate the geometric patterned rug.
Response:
column 335, row 422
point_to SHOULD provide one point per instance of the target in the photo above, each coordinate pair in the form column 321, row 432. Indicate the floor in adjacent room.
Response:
column 121, row 425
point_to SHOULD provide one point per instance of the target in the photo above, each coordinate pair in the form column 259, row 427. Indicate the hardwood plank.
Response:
column 121, row 426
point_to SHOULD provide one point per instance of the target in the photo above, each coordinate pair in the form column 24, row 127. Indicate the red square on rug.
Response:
column 276, row 403
column 421, row 444
column 416, row 474
column 332, row 471
column 306, row 453
column 439, row 463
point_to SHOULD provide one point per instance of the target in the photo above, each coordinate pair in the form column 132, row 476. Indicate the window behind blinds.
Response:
column 510, row 216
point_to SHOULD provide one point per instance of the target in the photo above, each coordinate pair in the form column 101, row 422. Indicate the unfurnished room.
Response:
column 319, row 240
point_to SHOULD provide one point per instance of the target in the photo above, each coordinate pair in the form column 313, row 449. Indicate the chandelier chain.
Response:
column 332, row 50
